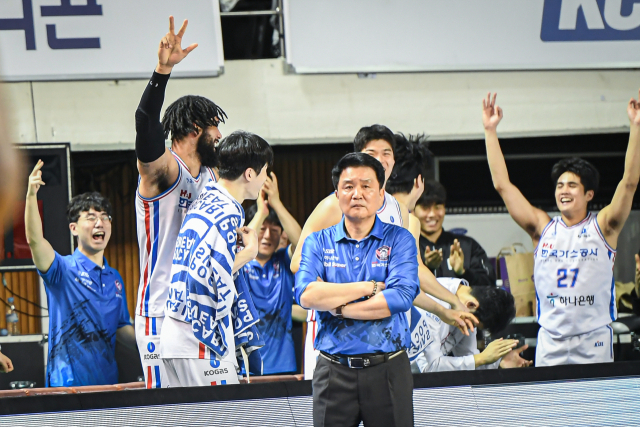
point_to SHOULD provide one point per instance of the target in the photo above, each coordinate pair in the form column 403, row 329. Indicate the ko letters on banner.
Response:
column 590, row 20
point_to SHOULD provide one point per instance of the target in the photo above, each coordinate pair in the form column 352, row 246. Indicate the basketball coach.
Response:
column 361, row 275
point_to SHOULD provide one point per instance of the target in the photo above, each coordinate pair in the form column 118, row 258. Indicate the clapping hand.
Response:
column 456, row 258
column 432, row 258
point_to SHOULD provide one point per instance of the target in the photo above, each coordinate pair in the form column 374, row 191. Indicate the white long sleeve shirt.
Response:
column 449, row 349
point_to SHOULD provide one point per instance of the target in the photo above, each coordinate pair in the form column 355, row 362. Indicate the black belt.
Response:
column 359, row 362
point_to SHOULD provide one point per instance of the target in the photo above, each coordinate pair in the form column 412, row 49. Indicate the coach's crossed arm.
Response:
column 312, row 292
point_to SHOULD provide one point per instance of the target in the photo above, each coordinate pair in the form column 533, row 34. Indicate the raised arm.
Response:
column 531, row 219
column 326, row 214
column 41, row 250
column 612, row 218
column 289, row 223
column 155, row 163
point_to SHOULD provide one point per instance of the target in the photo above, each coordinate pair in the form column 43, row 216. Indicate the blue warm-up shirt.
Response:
column 388, row 254
column 271, row 289
column 87, row 304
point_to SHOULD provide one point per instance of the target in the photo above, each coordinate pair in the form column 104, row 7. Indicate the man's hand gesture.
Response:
column 459, row 319
column 633, row 110
column 513, row 359
column 5, row 364
column 456, row 259
column 432, row 258
column 491, row 113
column 270, row 188
column 35, row 179
column 495, row 350
column 248, row 238
column 170, row 51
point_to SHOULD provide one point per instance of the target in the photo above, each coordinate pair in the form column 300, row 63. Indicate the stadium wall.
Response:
column 297, row 109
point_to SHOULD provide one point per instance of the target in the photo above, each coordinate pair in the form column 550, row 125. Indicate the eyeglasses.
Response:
column 94, row 218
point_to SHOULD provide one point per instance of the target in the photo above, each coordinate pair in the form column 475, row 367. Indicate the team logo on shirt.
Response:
column 583, row 233
column 151, row 348
column 599, row 344
column 382, row 253
column 118, row 286
column 185, row 199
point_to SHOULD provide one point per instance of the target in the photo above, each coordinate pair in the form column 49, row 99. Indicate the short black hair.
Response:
column 357, row 160
column 496, row 307
column 241, row 150
column 272, row 218
column 84, row 202
column 589, row 175
column 434, row 194
column 187, row 112
column 369, row 133
column 412, row 158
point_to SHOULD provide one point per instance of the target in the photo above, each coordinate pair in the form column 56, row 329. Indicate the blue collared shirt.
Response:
column 388, row 254
column 87, row 304
column 271, row 289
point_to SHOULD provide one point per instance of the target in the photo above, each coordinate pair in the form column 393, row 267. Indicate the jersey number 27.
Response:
column 563, row 277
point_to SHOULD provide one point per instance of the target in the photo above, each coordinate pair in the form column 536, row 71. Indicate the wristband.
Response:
column 375, row 288
column 339, row 311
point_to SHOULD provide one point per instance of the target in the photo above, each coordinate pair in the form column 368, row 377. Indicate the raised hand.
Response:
column 262, row 204
column 248, row 238
column 170, row 51
column 491, row 113
column 633, row 110
column 456, row 259
column 513, row 359
column 270, row 188
column 432, row 258
column 35, row 179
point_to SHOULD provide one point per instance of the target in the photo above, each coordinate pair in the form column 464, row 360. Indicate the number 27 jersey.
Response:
column 573, row 276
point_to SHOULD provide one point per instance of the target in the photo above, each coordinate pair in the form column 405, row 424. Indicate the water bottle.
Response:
column 12, row 318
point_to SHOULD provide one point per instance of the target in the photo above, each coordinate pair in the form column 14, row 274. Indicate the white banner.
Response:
column 103, row 39
column 334, row 36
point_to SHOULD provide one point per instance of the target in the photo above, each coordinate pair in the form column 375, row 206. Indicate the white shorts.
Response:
column 200, row 372
column 148, row 340
column 593, row 347
column 310, row 353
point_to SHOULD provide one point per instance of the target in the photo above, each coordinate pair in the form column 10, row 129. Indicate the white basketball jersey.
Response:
column 389, row 213
column 158, row 221
column 573, row 275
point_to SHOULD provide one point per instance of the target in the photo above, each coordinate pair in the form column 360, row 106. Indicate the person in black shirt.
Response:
column 445, row 253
